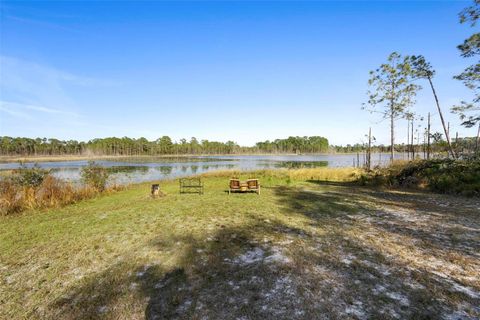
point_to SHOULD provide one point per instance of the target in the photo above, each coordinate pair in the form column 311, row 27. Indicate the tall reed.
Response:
column 33, row 188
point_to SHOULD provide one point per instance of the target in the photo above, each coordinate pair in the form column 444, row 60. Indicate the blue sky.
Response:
column 242, row 71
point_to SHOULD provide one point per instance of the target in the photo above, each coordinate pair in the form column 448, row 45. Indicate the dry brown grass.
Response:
column 326, row 174
column 323, row 174
column 51, row 193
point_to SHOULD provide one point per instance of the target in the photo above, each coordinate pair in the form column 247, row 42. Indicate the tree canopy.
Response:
column 470, row 48
column 391, row 91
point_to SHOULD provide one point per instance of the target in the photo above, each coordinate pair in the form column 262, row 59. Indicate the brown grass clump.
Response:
column 326, row 174
column 10, row 198
column 34, row 187
column 54, row 192
column 51, row 193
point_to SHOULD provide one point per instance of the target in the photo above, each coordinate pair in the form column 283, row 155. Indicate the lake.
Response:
column 134, row 170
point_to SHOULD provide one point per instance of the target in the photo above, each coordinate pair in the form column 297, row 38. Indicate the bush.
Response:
column 29, row 177
column 373, row 178
column 439, row 175
column 95, row 176
column 29, row 188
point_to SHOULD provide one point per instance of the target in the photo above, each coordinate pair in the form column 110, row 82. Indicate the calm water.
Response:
column 135, row 170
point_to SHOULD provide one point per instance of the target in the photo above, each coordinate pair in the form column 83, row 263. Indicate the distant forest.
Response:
column 162, row 146
column 165, row 146
column 437, row 146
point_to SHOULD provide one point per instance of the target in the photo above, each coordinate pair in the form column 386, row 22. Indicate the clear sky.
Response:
column 242, row 71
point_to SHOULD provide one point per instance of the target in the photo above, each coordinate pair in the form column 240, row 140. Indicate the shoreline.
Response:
column 59, row 158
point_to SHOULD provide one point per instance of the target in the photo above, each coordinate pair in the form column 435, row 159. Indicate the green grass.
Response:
column 300, row 250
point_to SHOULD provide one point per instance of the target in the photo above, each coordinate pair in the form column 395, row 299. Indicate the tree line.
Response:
column 19, row 146
column 313, row 144
column 438, row 146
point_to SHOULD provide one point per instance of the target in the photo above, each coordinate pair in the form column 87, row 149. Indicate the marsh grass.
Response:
column 300, row 250
column 50, row 193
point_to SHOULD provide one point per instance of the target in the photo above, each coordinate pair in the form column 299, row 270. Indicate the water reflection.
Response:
column 126, row 169
column 134, row 170
column 301, row 164
column 165, row 170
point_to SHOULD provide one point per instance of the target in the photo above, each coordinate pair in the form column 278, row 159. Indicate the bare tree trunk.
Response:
column 392, row 132
column 478, row 137
column 428, row 137
column 408, row 139
column 424, row 146
column 369, row 154
column 412, row 142
column 447, row 136
column 418, row 141
column 456, row 143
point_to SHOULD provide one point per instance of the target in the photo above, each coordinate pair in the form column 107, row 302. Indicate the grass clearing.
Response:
column 300, row 250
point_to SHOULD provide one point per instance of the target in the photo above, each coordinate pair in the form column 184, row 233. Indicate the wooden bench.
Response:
column 191, row 185
column 243, row 186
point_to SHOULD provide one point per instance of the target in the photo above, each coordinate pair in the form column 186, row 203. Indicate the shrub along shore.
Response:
column 35, row 188
column 439, row 175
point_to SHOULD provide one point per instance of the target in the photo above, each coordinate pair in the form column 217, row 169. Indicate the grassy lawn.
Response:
column 300, row 250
